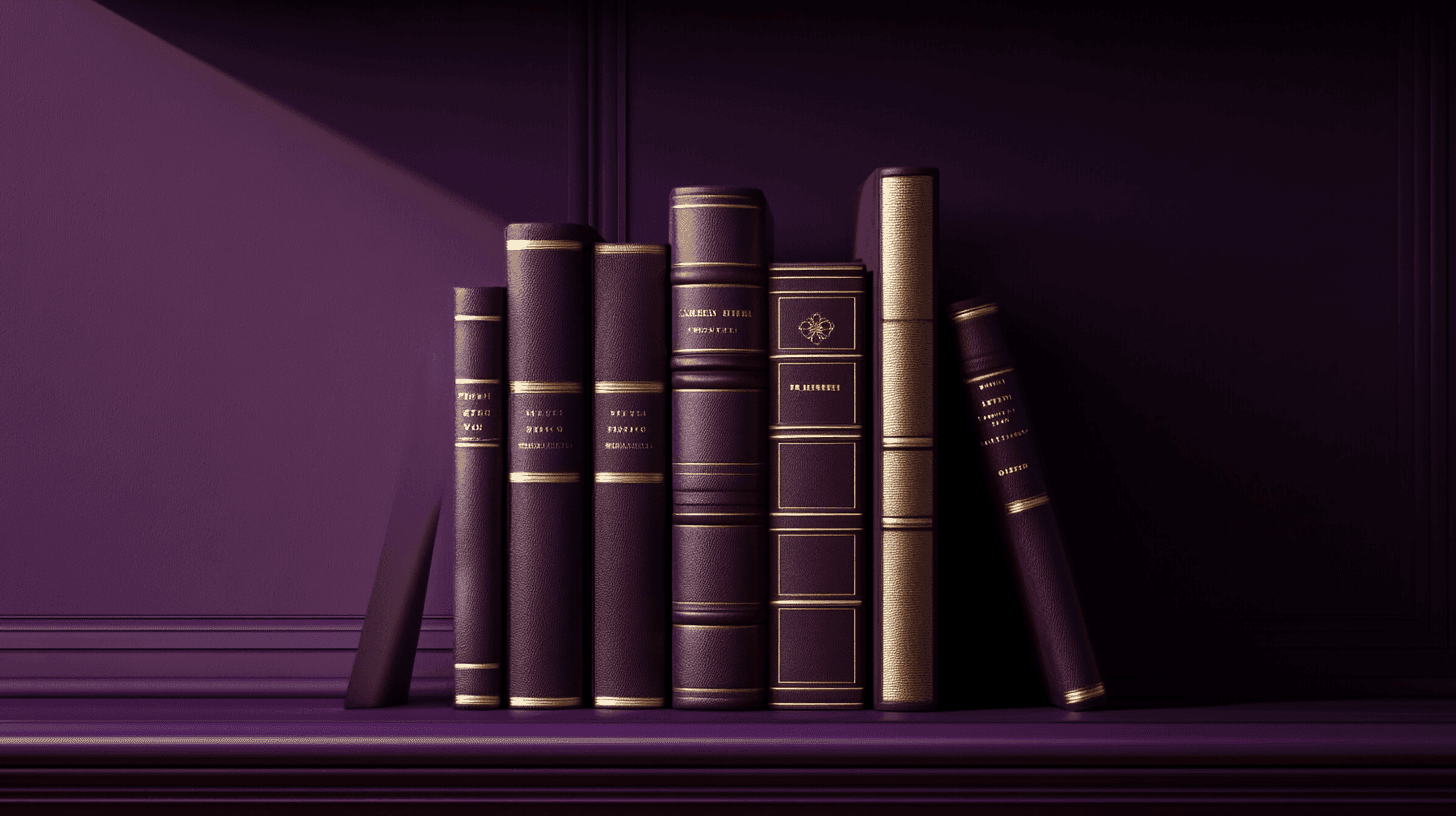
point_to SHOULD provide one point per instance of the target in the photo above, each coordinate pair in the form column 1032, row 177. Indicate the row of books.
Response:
column 689, row 476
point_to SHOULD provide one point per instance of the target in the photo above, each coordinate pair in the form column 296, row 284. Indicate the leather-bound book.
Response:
column 480, row 417
column 719, row 360
column 818, row 485
column 895, row 236
column 548, row 270
column 1018, row 485
column 630, row 450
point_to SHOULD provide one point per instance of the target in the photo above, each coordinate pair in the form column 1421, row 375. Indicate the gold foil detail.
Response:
column 972, row 314
column 477, row 444
column 908, row 486
column 907, row 237
column 545, row 702
column 992, row 375
column 1084, row 693
column 629, row 478
column 628, row 387
column 907, row 442
column 536, row 387
column 915, row 523
column 466, row 318
column 1022, row 505
column 478, row 699
column 477, row 665
column 631, row 702
column 906, row 377
column 631, row 249
column 468, row 381
column 906, row 605
column 545, row 478
column 518, row 244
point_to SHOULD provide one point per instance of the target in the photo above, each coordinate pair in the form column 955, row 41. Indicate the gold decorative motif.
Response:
column 545, row 478
column 991, row 376
column 627, row 387
column 477, row 699
column 536, row 387
column 466, row 318
column 1084, row 693
column 906, row 604
column 907, row 237
column 629, row 478
column 518, row 244
column 816, row 328
column 545, row 702
column 630, row 702
column 631, row 249
column 972, row 314
column 1022, row 505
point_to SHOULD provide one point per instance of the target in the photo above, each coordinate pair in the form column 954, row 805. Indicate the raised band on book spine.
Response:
column 819, row 486
column 719, row 341
column 1014, row 471
column 630, row 454
column 548, row 268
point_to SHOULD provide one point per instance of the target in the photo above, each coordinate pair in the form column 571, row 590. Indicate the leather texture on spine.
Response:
column 1018, row 484
column 630, row 449
column 548, row 268
column 719, row 475
column 480, row 345
column 895, row 236
column 819, row 491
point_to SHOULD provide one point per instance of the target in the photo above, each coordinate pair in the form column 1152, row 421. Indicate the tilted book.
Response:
column 818, row 485
column 480, row 408
column 895, row 235
column 1018, row 485
column 719, row 361
column 548, row 273
column 630, row 450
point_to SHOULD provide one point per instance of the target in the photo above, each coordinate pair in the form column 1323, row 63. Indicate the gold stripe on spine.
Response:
column 914, row 523
column 467, row 318
column 535, row 387
column 631, row 249
column 545, row 702
column 907, row 204
column 477, row 444
column 631, row 702
column 907, row 442
column 545, row 478
column 468, row 381
column 629, row 478
column 481, row 666
column 908, row 484
column 906, row 379
column 518, row 244
column 905, row 611
column 627, row 387
column 1022, row 505
column 972, row 314
column 477, row 699
column 1084, row 693
column 992, row 375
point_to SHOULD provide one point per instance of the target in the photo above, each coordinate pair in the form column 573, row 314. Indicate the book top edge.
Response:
column 881, row 172
column 818, row 267
column 480, row 300
column 539, row 231
column 748, row 193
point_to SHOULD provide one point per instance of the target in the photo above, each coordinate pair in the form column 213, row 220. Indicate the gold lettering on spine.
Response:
column 906, row 603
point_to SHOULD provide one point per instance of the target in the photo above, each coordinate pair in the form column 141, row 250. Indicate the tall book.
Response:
column 548, row 272
column 719, row 361
column 895, row 235
column 1018, row 485
column 480, row 408
column 630, row 450
column 819, row 485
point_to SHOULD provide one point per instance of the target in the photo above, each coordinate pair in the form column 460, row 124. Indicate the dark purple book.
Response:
column 719, row 343
column 1018, row 486
column 895, row 236
column 480, row 408
column 548, row 273
column 630, row 450
column 818, row 485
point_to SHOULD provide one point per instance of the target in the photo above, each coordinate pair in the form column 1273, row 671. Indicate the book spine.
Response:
column 480, row 406
column 718, row 363
column 1018, row 484
column 629, row 556
column 895, row 237
column 548, row 269
column 819, row 491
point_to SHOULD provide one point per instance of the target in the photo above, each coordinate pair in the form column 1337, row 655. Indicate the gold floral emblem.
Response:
column 816, row 328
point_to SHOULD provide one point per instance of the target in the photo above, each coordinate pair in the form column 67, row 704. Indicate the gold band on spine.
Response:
column 536, row 387
column 481, row 666
column 906, row 608
column 477, row 700
column 630, row 702
column 711, row 204
column 545, row 478
column 1084, row 693
column 468, row 381
column 715, row 263
column 716, row 690
column 477, row 444
column 466, row 318
column 545, row 702
column 629, row 478
column 518, row 244
column 626, row 387
column 911, row 523
column 631, row 249
column 1021, row 505
column 908, row 442
column 991, row 376
column 972, row 314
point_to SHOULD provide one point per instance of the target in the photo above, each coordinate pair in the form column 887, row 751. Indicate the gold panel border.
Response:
column 972, row 314
column 1022, row 505
column 520, row 477
column 854, row 622
column 518, row 244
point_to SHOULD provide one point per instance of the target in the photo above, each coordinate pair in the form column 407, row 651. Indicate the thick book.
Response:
column 480, row 416
column 895, row 237
column 1018, row 486
column 819, row 485
column 719, row 488
column 630, row 454
column 548, row 276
